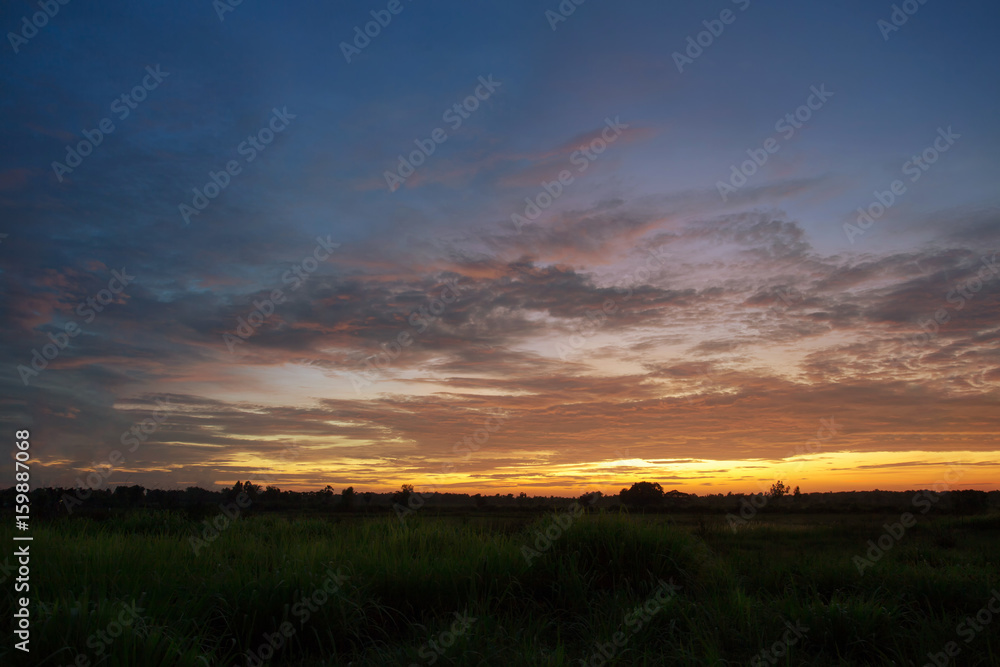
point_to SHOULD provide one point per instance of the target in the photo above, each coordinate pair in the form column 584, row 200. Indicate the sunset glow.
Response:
column 617, row 265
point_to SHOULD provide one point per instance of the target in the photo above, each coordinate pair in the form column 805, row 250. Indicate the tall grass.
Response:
column 406, row 585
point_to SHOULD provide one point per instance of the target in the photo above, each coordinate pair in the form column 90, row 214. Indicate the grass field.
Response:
column 502, row 590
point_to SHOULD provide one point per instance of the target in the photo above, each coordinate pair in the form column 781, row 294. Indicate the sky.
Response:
column 502, row 247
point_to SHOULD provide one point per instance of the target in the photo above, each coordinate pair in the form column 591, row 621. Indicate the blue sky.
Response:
column 655, row 186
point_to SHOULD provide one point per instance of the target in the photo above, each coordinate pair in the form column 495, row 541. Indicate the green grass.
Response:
column 406, row 584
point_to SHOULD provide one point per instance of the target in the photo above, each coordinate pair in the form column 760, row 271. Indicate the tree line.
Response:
column 640, row 496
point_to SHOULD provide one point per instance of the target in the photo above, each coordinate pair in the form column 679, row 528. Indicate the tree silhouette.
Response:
column 642, row 494
column 403, row 495
column 247, row 487
column 778, row 489
column 325, row 495
column 347, row 499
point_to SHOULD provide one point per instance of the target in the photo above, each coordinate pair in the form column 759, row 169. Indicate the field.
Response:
column 560, row 589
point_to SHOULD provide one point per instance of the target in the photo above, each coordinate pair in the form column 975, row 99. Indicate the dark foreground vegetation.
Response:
column 570, row 586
